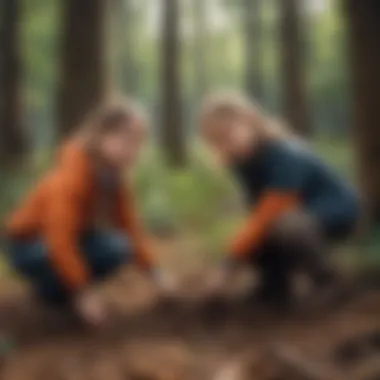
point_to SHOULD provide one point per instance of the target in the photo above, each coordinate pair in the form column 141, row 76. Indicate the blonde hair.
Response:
column 112, row 115
column 234, row 104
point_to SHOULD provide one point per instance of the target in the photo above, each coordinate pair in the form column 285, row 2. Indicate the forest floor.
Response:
column 191, row 338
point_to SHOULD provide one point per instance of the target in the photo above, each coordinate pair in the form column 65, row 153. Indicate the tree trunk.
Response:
column 127, row 67
column 172, row 132
column 295, row 98
column 83, row 77
column 200, row 54
column 13, row 141
column 253, row 49
column 364, row 29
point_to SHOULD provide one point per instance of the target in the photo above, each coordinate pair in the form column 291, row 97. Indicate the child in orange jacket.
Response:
column 297, row 204
column 80, row 223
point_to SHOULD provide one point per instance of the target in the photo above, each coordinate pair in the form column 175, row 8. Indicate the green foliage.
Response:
column 194, row 198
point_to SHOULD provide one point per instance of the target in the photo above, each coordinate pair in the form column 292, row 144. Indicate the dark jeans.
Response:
column 296, row 241
column 104, row 252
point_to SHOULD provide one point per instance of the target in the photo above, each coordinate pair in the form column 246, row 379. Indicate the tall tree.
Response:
column 172, row 131
column 200, row 47
column 364, row 29
column 125, row 18
column 83, row 76
column 13, row 142
column 294, row 88
column 253, row 48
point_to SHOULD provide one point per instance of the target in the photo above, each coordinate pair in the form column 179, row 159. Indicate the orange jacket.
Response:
column 271, row 206
column 63, row 205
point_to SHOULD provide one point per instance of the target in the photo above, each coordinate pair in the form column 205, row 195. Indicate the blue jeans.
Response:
column 103, row 251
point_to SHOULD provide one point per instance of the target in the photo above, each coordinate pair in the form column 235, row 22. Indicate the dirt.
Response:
column 189, row 338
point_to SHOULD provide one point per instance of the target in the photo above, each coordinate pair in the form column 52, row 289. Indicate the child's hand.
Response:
column 217, row 282
column 166, row 285
column 220, row 279
column 91, row 308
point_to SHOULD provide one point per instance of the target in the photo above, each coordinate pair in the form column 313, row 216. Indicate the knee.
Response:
column 293, row 228
column 108, row 247
column 29, row 258
column 117, row 246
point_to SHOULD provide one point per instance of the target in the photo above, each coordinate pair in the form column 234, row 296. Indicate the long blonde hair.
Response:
column 234, row 104
column 109, row 116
